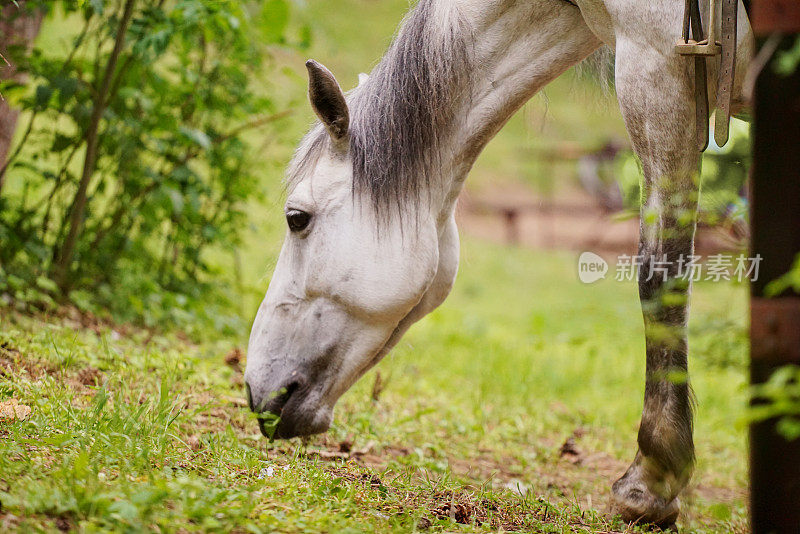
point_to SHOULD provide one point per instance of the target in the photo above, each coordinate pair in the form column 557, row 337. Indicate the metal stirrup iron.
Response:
column 701, row 48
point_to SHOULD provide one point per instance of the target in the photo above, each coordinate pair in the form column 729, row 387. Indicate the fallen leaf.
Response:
column 89, row 376
column 11, row 409
column 458, row 512
column 234, row 359
column 570, row 451
column 63, row 524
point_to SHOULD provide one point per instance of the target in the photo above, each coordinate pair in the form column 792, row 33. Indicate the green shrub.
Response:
column 134, row 160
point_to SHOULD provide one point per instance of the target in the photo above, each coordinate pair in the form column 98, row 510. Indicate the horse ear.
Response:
column 327, row 100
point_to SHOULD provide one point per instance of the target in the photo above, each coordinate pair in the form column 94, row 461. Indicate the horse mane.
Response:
column 398, row 115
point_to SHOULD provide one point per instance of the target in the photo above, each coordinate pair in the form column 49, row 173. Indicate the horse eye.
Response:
column 297, row 220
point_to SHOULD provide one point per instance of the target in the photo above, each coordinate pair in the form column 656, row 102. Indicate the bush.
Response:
column 133, row 161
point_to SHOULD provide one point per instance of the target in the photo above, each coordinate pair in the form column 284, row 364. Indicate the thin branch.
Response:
column 59, row 182
column 2, row 98
column 18, row 149
column 67, row 251
column 254, row 124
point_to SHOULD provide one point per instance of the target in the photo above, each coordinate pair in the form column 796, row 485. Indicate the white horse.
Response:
column 372, row 244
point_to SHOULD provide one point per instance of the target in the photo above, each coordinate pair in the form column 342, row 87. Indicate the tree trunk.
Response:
column 63, row 259
column 18, row 27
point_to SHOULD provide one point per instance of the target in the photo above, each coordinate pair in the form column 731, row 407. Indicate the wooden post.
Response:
column 19, row 26
column 775, row 216
column 511, row 218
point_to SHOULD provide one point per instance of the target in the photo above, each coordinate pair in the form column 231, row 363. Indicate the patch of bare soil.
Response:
column 8, row 522
column 573, row 475
column 14, row 363
column 11, row 522
column 466, row 507
column 89, row 376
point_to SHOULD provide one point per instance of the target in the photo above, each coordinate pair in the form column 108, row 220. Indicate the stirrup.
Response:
column 705, row 47
column 691, row 47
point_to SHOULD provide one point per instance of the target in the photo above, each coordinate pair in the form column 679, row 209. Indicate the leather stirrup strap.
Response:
column 700, row 80
column 722, row 117
column 686, row 19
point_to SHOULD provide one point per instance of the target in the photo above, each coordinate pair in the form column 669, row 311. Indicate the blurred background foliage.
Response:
column 132, row 159
column 144, row 180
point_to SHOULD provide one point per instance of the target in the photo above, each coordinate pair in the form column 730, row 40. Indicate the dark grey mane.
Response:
column 399, row 113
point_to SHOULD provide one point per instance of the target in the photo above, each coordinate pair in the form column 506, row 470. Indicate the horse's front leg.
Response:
column 655, row 94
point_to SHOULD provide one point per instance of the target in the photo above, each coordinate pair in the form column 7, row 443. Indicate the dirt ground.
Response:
column 570, row 219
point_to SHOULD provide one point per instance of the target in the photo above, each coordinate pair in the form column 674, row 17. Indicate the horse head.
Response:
column 349, row 281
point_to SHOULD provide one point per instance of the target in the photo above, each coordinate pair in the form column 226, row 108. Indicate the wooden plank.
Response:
column 775, row 16
column 775, row 322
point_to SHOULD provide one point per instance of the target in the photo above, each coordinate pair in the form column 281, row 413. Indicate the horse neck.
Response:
column 517, row 48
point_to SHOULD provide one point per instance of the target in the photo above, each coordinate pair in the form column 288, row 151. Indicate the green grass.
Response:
column 134, row 432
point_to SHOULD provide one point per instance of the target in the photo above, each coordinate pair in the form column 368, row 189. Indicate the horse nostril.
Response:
column 276, row 404
column 273, row 402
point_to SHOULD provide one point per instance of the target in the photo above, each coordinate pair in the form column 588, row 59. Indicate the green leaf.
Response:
column 273, row 19
column 67, row 87
column 304, row 34
column 786, row 61
column 48, row 285
column 15, row 282
column 61, row 142
column 197, row 136
column 43, row 95
column 80, row 466
column 789, row 428
column 177, row 200
column 234, row 22
column 13, row 92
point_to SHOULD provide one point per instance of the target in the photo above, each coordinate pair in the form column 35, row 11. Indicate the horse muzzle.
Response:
column 288, row 411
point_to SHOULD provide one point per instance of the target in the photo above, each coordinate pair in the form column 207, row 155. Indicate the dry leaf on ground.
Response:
column 11, row 409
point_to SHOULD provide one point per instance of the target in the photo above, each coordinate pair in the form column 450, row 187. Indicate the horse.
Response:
column 371, row 244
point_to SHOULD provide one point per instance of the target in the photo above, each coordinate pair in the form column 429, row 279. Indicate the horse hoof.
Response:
column 637, row 504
